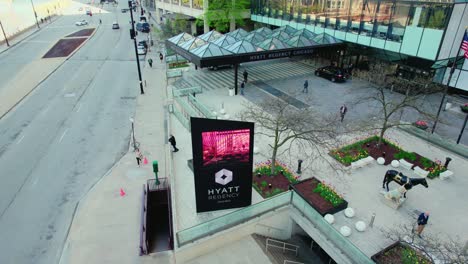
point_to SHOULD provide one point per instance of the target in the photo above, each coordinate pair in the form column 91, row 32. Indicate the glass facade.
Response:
column 407, row 27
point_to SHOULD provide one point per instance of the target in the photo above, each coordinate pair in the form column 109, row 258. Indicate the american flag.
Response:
column 464, row 45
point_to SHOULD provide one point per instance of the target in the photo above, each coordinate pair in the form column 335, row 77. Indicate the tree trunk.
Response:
column 273, row 160
column 382, row 133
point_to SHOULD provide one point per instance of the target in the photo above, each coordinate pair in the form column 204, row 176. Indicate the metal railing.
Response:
column 186, row 91
column 143, row 248
column 292, row 262
column 201, row 108
column 152, row 186
column 282, row 245
column 226, row 221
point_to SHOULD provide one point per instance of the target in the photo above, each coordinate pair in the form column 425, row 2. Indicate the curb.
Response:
column 28, row 36
column 436, row 140
column 78, row 206
column 48, row 75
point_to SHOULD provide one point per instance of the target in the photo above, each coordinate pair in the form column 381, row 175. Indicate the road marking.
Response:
column 79, row 107
column 64, row 132
column 21, row 139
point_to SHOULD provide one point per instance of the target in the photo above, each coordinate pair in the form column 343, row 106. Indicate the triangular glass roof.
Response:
column 288, row 29
column 300, row 41
column 272, row 44
column 281, row 35
column 238, row 33
column 243, row 46
column 211, row 36
column 255, row 37
column 224, row 41
column 266, row 32
column 325, row 38
column 210, row 50
column 193, row 44
column 306, row 33
column 181, row 38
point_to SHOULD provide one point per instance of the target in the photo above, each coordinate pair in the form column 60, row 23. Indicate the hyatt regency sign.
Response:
column 222, row 163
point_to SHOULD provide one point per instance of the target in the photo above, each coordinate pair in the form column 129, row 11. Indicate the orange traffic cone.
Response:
column 122, row 193
column 145, row 161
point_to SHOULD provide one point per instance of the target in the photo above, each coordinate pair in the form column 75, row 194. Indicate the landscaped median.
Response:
column 268, row 184
column 400, row 253
column 388, row 150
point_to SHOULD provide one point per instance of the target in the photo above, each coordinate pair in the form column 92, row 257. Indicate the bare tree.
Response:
column 390, row 105
column 437, row 248
column 285, row 124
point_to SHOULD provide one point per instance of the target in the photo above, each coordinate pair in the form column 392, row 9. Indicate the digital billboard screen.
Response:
column 222, row 162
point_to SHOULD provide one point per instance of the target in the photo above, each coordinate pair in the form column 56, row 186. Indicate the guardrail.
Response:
column 202, row 109
column 292, row 262
column 186, row 91
column 283, row 245
column 143, row 248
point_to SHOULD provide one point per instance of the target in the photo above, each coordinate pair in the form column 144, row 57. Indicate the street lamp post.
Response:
column 463, row 129
column 133, row 134
column 35, row 14
column 133, row 35
column 6, row 39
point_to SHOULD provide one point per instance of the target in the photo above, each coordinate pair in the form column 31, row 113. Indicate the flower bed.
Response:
column 320, row 196
column 269, row 185
column 175, row 65
column 400, row 253
column 464, row 108
column 388, row 150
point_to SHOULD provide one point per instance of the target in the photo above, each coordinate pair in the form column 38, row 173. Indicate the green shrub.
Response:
column 264, row 184
column 405, row 155
column 329, row 194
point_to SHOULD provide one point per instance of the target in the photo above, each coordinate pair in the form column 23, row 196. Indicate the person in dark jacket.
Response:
column 422, row 222
column 246, row 74
column 242, row 88
column 343, row 110
column 173, row 143
column 306, row 87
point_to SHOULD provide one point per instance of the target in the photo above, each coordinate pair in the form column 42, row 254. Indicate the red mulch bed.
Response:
column 378, row 151
column 82, row 33
column 64, row 47
column 278, row 181
column 306, row 187
column 393, row 254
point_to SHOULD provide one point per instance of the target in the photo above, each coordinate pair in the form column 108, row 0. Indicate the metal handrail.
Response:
column 143, row 243
column 163, row 183
column 292, row 262
column 284, row 244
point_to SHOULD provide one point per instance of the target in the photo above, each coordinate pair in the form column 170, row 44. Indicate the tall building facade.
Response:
column 426, row 32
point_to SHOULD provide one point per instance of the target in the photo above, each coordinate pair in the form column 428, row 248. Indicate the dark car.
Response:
column 143, row 27
column 332, row 73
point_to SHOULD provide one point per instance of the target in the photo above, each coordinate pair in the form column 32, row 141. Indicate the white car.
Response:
column 81, row 23
column 141, row 50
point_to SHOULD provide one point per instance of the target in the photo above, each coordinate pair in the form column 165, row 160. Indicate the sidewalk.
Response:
column 106, row 226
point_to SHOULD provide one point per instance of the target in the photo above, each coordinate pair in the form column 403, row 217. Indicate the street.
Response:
column 65, row 135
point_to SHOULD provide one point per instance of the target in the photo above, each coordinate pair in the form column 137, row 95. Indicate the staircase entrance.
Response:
column 156, row 228
column 300, row 237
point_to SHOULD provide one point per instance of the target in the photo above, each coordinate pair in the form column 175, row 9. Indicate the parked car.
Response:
column 141, row 50
column 143, row 27
column 124, row 10
column 143, row 19
column 81, row 23
column 143, row 43
column 332, row 73
column 115, row 25
column 88, row 13
column 220, row 67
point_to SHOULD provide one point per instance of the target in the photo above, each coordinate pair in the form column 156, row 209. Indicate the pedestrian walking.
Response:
column 150, row 62
column 161, row 57
column 343, row 110
column 422, row 222
column 306, row 87
column 139, row 157
column 242, row 88
column 173, row 143
column 100, row 21
column 246, row 75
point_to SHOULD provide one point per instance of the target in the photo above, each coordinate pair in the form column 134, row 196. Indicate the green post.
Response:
column 156, row 170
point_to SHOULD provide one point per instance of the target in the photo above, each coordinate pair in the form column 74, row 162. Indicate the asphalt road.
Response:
column 63, row 137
